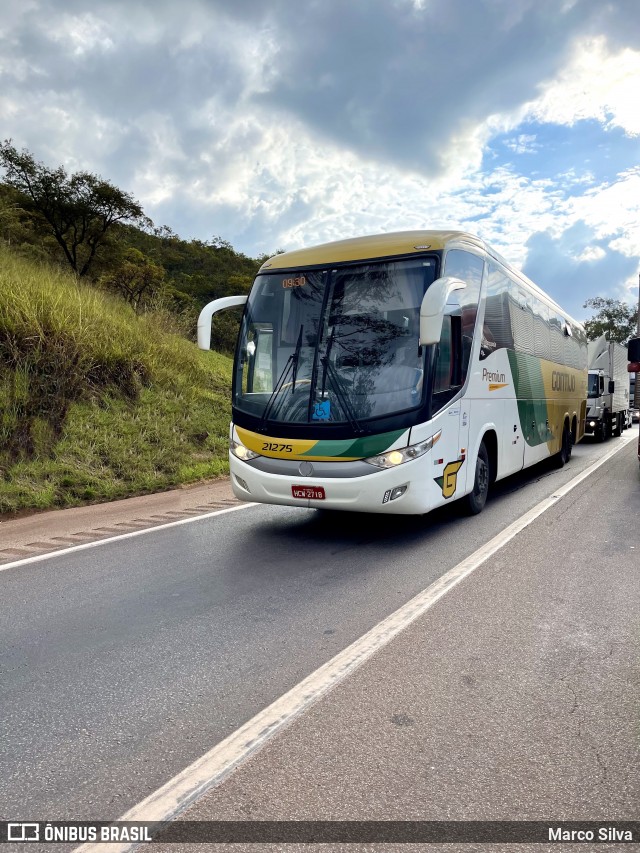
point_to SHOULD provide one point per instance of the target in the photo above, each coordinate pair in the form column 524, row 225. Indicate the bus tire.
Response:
column 476, row 500
column 565, row 448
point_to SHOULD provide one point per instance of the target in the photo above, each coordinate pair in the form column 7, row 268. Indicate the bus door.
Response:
column 461, row 312
column 451, row 415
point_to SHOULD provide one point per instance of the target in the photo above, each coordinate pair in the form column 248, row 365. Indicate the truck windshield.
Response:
column 594, row 385
column 333, row 345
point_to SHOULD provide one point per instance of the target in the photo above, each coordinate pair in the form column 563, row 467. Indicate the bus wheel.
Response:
column 565, row 448
column 476, row 500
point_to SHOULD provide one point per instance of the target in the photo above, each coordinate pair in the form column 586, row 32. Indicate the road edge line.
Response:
column 37, row 558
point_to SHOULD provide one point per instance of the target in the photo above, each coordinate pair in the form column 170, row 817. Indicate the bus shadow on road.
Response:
column 333, row 529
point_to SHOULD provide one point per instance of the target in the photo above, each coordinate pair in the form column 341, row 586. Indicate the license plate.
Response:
column 308, row 493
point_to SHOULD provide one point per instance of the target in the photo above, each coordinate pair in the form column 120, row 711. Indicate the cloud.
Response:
column 574, row 267
column 406, row 83
column 419, row 86
column 278, row 127
column 596, row 83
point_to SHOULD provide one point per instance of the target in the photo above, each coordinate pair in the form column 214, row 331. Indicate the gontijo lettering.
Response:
column 562, row 381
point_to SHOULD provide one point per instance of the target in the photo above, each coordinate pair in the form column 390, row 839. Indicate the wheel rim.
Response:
column 482, row 477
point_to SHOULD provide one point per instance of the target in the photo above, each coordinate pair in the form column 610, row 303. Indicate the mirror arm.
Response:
column 206, row 315
column 433, row 307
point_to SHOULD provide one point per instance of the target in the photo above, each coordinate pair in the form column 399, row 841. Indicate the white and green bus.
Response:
column 397, row 373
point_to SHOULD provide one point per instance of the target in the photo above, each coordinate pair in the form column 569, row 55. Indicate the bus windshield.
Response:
column 333, row 345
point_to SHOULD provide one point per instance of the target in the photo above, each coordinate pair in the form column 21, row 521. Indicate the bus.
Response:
column 397, row 373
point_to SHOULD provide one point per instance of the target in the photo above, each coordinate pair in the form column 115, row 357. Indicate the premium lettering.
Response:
column 489, row 376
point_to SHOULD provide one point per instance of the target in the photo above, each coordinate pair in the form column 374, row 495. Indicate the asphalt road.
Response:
column 122, row 664
column 515, row 698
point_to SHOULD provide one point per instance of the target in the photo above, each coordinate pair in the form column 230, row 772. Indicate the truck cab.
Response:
column 608, row 389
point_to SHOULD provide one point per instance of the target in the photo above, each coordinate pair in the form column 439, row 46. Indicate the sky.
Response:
column 277, row 124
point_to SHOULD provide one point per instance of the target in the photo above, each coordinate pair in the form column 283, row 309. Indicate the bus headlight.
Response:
column 406, row 454
column 241, row 451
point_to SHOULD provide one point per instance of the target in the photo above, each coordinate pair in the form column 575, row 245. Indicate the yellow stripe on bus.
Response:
column 285, row 448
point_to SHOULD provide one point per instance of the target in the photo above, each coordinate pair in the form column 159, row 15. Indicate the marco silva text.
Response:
column 602, row 833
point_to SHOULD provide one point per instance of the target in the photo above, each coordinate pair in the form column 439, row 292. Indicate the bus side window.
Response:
column 469, row 268
column 447, row 378
column 541, row 332
column 442, row 376
column 502, row 304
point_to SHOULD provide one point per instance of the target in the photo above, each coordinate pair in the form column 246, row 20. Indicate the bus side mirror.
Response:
column 204, row 320
column 633, row 353
column 433, row 307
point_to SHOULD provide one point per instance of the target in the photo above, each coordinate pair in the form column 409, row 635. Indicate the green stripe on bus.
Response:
column 528, row 382
column 360, row 448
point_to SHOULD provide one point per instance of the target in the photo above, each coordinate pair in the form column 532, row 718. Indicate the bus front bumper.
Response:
column 387, row 490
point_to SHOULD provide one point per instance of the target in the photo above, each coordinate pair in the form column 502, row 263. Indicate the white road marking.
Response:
column 183, row 790
column 49, row 554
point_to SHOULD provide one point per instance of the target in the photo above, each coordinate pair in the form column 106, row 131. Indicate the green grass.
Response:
column 95, row 402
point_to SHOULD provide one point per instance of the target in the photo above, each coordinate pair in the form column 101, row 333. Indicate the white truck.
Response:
column 634, row 367
column 608, row 389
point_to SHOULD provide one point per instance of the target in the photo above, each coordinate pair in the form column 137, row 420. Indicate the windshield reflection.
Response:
column 333, row 346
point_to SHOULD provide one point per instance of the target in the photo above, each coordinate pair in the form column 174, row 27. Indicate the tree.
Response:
column 10, row 214
column 137, row 279
column 79, row 210
column 614, row 317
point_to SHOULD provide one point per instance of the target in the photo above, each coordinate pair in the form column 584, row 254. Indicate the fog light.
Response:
column 242, row 483
column 392, row 494
column 398, row 492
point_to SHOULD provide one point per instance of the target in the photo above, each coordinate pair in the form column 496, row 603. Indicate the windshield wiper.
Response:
column 296, row 356
column 339, row 390
column 291, row 361
column 325, row 360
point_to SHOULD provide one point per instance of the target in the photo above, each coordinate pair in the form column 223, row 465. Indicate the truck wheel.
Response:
column 476, row 500
column 605, row 430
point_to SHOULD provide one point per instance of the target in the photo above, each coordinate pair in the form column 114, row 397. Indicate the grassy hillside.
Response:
column 97, row 403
